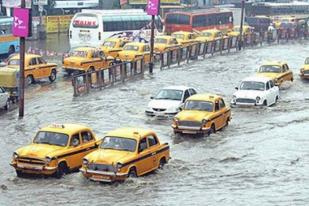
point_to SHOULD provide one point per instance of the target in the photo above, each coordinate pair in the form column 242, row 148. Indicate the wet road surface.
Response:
column 261, row 158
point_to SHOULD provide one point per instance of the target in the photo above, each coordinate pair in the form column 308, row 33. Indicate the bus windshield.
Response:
column 130, row 48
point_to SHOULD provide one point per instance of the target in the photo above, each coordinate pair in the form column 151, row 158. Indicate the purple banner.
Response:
column 21, row 22
column 153, row 7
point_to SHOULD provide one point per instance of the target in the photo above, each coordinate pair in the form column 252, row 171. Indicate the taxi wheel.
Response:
column 19, row 173
column 53, row 76
column 162, row 163
column 61, row 170
column 7, row 105
column 265, row 103
column 132, row 173
column 29, row 79
column 212, row 129
column 292, row 79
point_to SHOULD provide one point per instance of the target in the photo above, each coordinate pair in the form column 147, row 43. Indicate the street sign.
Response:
column 153, row 7
column 40, row 2
column 21, row 27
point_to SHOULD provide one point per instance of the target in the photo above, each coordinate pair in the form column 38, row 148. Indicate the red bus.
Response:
column 198, row 20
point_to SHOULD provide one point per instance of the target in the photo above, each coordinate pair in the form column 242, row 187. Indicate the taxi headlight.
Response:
column 85, row 162
column 258, row 99
column 204, row 122
column 175, row 120
column 48, row 159
column 118, row 166
column 15, row 155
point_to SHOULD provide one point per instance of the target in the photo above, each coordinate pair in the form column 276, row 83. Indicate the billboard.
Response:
column 162, row 2
column 21, row 24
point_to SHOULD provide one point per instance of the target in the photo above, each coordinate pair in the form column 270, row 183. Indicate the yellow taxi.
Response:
column 125, row 152
column 202, row 114
column 165, row 43
column 278, row 71
column 112, row 46
column 135, row 50
column 35, row 67
column 55, row 150
column 304, row 71
column 185, row 37
column 86, row 59
column 210, row 35
column 236, row 31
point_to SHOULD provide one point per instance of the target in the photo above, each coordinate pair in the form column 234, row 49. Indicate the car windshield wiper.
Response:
column 44, row 143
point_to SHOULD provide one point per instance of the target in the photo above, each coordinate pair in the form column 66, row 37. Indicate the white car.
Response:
column 168, row 101
column 4, row 99
column 256, row 91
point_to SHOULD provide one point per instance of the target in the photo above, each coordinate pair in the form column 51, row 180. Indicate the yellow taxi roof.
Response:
column 86, row 49
column 114, row 39
column 204, row 97
column 69, row 129
column 137, row 43
column 133, row 133
column 278, row 63
column 27, row 56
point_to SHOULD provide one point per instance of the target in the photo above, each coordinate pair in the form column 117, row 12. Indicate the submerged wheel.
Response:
column 7, row 105
column 132, row 173
column 265, row 103
column 212, row 129
column 53, row 76
column 29, row 79
column 61, row 170
column 162, row 163
column 19, row 173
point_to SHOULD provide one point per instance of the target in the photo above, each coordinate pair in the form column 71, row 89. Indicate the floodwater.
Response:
column 261, row 158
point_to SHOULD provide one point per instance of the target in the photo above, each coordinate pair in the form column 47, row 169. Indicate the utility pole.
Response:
column 151, row 44
column 22, row 49
column 240, row 43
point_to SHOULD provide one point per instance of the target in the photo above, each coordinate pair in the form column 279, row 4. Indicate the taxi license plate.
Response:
column 29, row 166
column 188, row 132
column 101, row 177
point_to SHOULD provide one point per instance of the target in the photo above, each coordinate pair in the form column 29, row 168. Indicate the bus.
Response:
column 274, row 9
column 198, row 20
column 92, row 27
column 8, row 43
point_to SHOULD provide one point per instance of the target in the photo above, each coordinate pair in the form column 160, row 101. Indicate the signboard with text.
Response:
column 21, row 27
column 153, row 7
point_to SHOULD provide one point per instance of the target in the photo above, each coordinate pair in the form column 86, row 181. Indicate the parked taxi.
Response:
column 86, row 59
column 165, row 43
column 210, row 35
column 125, row 152
column 236, row 31
column 304, row 71
column 184, row 37
column 278, row 71
column 35, row 67
column 112, row 46
column 55, row 150
column 134, row 51
column 202, row 113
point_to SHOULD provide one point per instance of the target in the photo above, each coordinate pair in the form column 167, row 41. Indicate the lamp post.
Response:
column 22, row 49
column 240, row 43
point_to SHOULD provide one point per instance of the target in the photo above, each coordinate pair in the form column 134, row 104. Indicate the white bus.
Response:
column 92, row 27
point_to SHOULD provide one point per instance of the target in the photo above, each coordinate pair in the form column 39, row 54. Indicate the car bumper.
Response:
column 33, row 169
column 235, row 104
column 191, row 130
column 103, row 176
column 160, row 114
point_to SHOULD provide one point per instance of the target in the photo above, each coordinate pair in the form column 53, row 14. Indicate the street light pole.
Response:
column 151, row 44
column 22, row 45
column 240, row 43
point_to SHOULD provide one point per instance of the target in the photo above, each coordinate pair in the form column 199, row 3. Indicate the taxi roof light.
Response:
column 54, row 125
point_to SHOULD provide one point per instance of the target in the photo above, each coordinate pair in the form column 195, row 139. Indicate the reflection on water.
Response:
column 261, row 158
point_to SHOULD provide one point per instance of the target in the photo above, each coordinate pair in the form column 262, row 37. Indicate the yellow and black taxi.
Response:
column 112, row 46
column 55, row 150
column 202, row 114
column 164, row 43
column 278, row 71
column 304, row 71
column 86, row 59
column 210, row 35
column 35, row 67
column 134, row 51
column 125, row 152
column 246, row 30
column 185, row 37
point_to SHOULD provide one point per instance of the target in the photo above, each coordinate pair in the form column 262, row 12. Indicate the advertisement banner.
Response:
column 153, row 7
column 162, row 1
column 21, row 27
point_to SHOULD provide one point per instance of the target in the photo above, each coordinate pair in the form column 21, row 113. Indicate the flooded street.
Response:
column 261, row 158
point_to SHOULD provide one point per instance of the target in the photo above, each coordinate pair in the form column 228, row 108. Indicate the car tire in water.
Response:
column 132, row 173
column 29, row 80
column 61, row 170
column 212, row 129
column 265, row 103
column 7, row 105
column 162, row 163
column 53, row 76
column 19, row 173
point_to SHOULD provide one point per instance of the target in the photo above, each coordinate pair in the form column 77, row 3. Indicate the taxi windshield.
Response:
column 169, row 94
column 14, row 62
column 109, row 44
column 160, row 41
column 199, row 105
column 130, row 48
column 178, row 36
column 270, row 68
column 118, row 143
column 51, row 138
column 77, row 53
column 252, row 85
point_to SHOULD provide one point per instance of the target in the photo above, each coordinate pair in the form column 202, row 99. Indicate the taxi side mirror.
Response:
column 236, row 88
